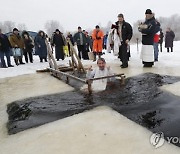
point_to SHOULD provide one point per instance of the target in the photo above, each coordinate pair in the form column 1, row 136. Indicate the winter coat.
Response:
column 88, row 41
column 161, row 37
column 28, row 43
column 58, row 40
column 4, row 43
column 126, row 31
column 97, row 40
column 41, row 47
column 16, row 40
column 77, row 38
column 148, row 32
column 169, row 38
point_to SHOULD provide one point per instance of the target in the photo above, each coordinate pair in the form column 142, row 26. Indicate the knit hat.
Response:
column 97, row 26
column 15, row 29
column 148, row 11
column 57, row 30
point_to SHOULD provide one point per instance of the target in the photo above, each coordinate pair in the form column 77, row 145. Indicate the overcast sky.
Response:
column 84, row 13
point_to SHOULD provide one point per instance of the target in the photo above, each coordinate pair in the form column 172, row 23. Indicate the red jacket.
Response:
column 156, row 38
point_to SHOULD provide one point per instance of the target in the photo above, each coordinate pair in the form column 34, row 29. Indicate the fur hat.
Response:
column 148, row 11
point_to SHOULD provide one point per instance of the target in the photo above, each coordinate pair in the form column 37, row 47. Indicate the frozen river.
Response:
column 100, row 130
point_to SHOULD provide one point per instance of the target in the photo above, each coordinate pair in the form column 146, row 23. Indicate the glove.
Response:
column 98, row 38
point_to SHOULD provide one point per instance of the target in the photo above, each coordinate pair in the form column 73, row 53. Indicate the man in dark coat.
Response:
column 58, row 41
column 125, row 33
column 80, row 41
column 169, row 38
column 5, row 50
column 148, row 31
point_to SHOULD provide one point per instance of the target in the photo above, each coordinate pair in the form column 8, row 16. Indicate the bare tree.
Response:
column 1, row 26
column 8, row 26
column 21, row 27
column 51, row 26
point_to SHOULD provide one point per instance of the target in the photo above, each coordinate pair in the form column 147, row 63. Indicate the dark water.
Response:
column 140, row 100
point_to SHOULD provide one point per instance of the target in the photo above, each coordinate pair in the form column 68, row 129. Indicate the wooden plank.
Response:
column 66, row 69
column 67, row 75
column 73, row 52
column 104, row 77
column 52, row 61
column 42, row 70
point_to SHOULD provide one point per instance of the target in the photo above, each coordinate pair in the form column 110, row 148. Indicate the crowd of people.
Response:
column 116, row 40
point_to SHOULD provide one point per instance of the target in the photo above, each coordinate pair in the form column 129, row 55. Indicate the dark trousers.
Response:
column 81, row 52
column 7, row 54
column 69, row 49
column 171, row 49
column 161, row 47
column 123, row 54
column 59, row 52
column 28, row 53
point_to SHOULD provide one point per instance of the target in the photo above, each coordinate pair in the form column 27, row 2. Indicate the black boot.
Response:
column 16, row 61
column 20, row 61
column 9, row 65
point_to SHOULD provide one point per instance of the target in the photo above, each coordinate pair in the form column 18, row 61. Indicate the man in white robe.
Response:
column 100, row 71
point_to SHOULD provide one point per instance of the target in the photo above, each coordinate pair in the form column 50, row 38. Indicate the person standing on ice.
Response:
column 125, row 34
column 97, row 36
column 17, row 46
column 156, row 40
column 5, row 49
column 28, row 46
column 169, row 38
column 118, row 40
column 79, row 40
column 161, row 36
column 58, row 42
column 148, row 31
column 40, row 43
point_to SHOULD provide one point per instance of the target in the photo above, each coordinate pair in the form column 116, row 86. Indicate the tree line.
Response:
column 51, row 25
